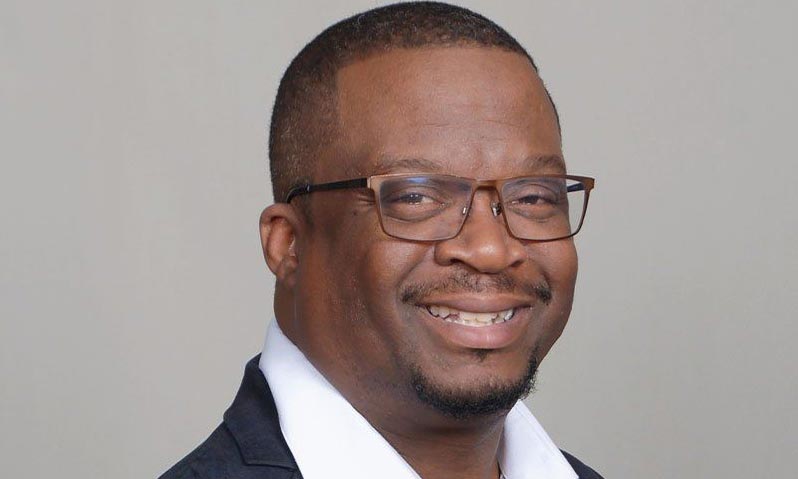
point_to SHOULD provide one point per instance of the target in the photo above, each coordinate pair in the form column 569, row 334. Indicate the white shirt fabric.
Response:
column 330, row 439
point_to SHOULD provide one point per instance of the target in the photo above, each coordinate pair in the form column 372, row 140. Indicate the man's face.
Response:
column 364, row 300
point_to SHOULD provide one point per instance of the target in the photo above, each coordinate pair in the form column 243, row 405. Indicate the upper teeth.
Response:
column 469, row 317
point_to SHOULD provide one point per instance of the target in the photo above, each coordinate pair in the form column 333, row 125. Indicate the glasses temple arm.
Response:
column 335, row 185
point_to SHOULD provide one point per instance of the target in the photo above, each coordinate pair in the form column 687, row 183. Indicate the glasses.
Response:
column 430, row 207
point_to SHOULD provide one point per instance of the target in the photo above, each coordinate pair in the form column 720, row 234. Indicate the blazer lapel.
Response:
column 252, row 420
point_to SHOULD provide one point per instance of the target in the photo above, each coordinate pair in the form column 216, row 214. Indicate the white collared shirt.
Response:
column 330, row 439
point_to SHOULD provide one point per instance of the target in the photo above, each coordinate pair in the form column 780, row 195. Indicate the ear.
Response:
column 279, row 225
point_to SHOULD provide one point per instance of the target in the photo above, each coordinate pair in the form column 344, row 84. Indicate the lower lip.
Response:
column 493, row 336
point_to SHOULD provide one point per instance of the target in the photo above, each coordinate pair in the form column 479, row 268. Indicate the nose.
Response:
column 484, row 243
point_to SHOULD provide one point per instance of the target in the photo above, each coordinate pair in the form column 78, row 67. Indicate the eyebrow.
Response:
column 388, row 164
column 544, row 162
column 534, row 163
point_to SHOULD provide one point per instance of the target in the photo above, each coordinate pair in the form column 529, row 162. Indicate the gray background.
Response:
column 134, row 169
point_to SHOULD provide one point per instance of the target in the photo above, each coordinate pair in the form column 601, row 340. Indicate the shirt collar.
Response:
column 329, row 438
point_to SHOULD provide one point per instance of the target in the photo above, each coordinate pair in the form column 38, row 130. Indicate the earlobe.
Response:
column 278, row 235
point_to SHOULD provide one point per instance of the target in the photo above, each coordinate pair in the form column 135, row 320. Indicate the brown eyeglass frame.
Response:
column 373, row 183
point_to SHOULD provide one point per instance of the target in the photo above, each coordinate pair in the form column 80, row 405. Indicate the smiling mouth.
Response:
column 470, row 318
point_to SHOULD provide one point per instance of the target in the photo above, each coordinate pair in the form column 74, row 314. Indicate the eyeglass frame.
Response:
column 585, row 183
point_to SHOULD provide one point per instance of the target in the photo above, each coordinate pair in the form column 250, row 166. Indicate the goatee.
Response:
column 482, row 400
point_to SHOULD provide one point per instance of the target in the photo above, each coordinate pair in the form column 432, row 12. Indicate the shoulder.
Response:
column 211, row 459
column 219, row 458
column 583, row 471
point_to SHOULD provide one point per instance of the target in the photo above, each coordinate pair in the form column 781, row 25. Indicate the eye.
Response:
column 414, row 204
column 416, row 196
column 411, row 198
column 537, row 196
column 536, row 199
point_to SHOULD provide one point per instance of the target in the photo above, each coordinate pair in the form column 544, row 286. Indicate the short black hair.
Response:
column 304, row 118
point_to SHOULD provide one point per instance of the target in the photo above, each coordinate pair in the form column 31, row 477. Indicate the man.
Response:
column 413, row 303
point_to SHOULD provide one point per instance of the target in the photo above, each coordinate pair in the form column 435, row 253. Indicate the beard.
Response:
column 488, row 397
column 481, row 400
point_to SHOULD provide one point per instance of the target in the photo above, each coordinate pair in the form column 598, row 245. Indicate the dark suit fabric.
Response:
column 250, row 445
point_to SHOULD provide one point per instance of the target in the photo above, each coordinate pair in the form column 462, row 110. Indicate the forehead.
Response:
column 480, row 112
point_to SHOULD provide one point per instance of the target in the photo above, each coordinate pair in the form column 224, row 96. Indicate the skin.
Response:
column 472, row 112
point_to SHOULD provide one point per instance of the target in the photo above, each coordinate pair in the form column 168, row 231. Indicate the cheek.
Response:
column 360, row 271
column 382, row 269
column 390, row 325
column 374, row 328
column 371, row 265
column 559, row 264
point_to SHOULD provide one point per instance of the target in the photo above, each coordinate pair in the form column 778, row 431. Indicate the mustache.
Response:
column 465, row 282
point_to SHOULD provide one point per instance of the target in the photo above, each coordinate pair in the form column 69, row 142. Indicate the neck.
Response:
column 439, row 447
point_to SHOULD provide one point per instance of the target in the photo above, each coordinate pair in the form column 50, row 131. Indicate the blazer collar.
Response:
column 252, row 420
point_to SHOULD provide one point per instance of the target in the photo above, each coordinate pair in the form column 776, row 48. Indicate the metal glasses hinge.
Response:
column 496, row 207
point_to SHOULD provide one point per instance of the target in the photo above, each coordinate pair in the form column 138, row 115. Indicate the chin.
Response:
column 474, row 397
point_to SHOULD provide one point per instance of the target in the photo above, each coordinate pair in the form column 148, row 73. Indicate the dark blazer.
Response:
column 250, row 445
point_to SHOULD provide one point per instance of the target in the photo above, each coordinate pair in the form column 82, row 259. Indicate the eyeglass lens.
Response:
column 430, row 207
